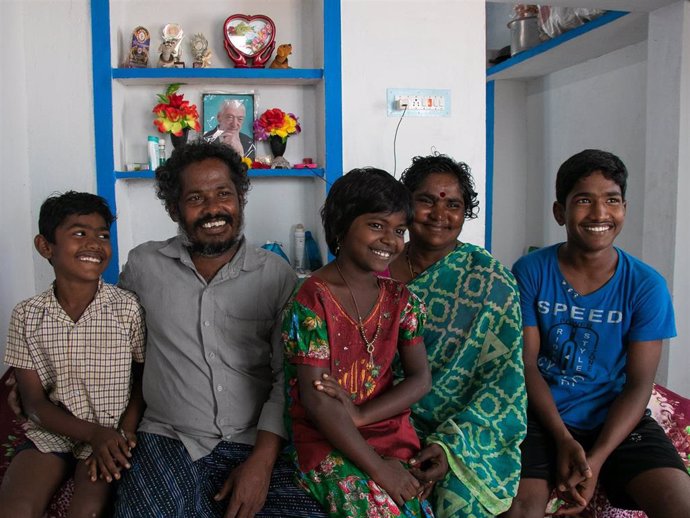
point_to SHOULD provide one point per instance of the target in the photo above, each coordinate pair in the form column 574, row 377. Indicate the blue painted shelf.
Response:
column 154, row 76
column 107, row 117
column 611, row 31
column 147, row 174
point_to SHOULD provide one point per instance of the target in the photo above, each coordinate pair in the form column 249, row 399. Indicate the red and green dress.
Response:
column 318, row 332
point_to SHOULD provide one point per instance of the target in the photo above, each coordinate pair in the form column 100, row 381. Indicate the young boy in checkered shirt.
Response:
column 78, row 351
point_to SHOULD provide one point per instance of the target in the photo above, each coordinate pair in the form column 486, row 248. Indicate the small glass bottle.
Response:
column 161, row 151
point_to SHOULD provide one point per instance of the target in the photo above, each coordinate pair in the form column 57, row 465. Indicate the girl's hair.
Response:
column 423, row 166
column 362, row 191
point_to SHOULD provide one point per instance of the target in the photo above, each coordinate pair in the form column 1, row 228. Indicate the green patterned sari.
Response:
column 476, row 408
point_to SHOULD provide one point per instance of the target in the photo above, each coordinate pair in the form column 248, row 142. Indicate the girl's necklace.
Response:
column 369, row 343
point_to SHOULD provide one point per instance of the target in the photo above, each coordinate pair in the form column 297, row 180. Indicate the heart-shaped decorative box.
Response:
column 249, row 40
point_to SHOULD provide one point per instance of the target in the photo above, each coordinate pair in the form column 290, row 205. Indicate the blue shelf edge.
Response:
column 315, row 74
column 147, row 174
column 604, row 19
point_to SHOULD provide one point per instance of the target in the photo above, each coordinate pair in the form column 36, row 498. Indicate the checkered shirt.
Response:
column 85, row 367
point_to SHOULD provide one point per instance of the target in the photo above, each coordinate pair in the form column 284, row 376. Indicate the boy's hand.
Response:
column 91, row 468
column 577, row 498
column 14, row 401
column 330, row 386
column 572, row 469
column 130, row 437
column 399, row 483
column 111, row 451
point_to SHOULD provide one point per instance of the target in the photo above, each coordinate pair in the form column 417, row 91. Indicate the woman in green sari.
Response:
column 473, row 420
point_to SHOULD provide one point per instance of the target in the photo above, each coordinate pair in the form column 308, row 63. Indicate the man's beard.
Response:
column 211, row 249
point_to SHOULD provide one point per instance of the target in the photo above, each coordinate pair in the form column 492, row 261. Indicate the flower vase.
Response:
column 181, row 140
column 278, row 146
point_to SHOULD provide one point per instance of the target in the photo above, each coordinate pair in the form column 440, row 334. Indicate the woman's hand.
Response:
column 429, row 466
column 330, row 386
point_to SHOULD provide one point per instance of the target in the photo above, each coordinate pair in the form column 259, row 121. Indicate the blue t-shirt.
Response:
column 584, row 338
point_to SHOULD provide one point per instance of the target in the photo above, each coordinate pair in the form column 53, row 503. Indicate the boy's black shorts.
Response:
column 647, row 447
column 65, row 456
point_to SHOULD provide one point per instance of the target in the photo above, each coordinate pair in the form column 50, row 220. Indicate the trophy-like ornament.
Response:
column 170, row 55
column 200, row 51
column 139, row 49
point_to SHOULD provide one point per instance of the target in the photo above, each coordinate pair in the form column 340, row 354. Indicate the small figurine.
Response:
column 139, row 50
column 200, row 51
column 281, row 59
column 170, row 48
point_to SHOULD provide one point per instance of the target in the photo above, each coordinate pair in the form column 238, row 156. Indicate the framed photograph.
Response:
column 229, row 118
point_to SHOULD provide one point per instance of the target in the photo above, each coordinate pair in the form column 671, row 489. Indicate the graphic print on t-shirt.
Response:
column 572, row 350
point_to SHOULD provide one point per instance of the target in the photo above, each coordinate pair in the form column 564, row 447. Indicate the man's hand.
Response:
column 330, row 386
column 429, row 466
column 232, row 140
column 247, row 487
column 14, row 401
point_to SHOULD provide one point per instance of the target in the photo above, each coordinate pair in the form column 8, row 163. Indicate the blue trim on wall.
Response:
column 103, row 119
column 333, row 91
column 554, row 42
column 488, row 229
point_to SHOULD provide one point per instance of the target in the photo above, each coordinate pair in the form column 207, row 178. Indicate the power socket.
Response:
column 417, row 102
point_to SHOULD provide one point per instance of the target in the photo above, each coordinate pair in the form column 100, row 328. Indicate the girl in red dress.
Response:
column 345, row 325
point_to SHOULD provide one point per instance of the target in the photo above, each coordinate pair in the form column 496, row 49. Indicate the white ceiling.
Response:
column 611, row 5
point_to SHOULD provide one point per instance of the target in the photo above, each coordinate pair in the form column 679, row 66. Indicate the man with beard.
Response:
column 209, row 440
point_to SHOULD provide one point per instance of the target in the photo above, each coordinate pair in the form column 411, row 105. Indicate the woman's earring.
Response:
column 337, row 247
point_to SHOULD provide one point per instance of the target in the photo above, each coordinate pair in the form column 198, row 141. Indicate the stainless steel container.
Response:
column 524, row 34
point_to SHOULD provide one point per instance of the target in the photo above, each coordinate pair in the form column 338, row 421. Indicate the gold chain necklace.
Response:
column 413, row 273
column 369, row 343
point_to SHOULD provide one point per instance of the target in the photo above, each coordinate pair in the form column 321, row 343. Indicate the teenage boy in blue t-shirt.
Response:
column 594, row 319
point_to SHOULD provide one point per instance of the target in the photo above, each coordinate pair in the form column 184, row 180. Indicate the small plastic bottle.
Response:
column 161, row 151
column 154, row 159
column 299, row 247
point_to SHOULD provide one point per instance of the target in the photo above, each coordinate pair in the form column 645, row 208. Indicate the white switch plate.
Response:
column 420, row 102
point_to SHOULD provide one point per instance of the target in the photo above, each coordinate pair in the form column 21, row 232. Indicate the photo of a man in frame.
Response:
column 229, row 118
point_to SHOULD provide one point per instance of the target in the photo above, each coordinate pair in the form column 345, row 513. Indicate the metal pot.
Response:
column 524, row 34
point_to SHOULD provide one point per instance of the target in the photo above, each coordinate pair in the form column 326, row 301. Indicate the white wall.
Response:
column 679, row 352
column 46, row 141
column 667, row 187
column 510, row 190
column 51, row 147
column 598, row 104
column 439, row 45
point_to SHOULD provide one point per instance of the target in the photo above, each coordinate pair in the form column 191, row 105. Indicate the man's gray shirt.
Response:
column 214, row 361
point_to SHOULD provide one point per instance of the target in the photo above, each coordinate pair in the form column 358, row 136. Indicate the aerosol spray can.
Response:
column 299, row 247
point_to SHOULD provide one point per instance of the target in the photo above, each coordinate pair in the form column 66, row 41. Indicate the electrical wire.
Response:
column 395, row 139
